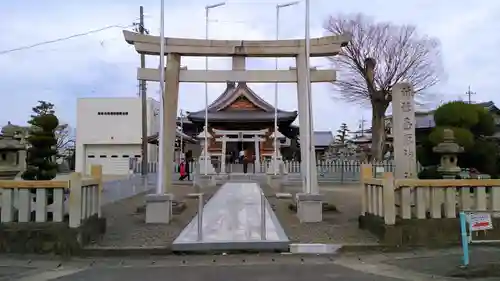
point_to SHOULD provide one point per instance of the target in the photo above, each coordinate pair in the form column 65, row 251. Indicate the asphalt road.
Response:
column 206, row 268
column 413, row 265
column 271, row 272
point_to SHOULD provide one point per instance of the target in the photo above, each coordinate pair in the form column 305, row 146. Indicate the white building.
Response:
column 109, row 133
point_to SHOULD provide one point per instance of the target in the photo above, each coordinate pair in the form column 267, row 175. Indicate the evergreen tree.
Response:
column 342, row 134
column 42, row 140
column 472, row 125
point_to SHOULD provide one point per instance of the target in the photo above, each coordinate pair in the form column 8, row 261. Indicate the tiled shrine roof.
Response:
column 154, row 138
column 241, row 104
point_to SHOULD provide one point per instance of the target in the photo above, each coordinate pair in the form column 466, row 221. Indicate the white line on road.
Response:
column 52, row 274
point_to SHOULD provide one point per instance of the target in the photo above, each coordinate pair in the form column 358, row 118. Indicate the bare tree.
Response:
column 380, row 55
column 64, row 138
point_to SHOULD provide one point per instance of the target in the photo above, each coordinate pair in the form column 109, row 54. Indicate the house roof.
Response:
column 154, row 138
column 425, row 119
column 217, row 110
column 323, row 138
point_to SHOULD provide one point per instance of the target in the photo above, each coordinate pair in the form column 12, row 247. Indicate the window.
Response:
column 102, row 156
column 112, row 113
column 137, row 156
column 4, row 156
column 114, row 156
column 91, row 156
column 125, row 156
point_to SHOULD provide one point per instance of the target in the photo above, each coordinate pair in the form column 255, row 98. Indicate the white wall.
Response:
column 95, row 124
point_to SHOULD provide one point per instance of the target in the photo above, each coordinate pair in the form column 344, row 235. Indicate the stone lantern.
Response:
column 205, row 165
column 448, row 149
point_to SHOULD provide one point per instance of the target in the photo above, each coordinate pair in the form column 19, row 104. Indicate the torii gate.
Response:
column 175, row 48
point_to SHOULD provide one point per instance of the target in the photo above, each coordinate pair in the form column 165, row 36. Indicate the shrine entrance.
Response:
column 235, row 148
column 240, row 150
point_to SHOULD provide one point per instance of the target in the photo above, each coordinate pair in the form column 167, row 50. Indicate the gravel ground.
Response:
column 337, row 227
column 126, row 227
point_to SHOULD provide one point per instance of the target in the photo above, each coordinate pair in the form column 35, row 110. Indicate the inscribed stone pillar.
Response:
column 170, row 99
column 403, row 130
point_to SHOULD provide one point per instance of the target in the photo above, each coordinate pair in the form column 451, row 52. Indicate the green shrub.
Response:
column 456, row 114
column 40, row 160
column 470, row 124
column 429, row 173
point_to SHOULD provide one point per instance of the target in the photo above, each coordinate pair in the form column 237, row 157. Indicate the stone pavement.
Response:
column 419, row 265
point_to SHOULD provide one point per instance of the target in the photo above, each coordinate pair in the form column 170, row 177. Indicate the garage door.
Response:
column 114, row 159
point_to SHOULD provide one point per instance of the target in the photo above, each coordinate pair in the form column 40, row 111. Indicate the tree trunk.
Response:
column 378, row 130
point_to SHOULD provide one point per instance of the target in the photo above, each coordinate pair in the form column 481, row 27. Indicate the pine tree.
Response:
column 342, row 134
column 41, row 163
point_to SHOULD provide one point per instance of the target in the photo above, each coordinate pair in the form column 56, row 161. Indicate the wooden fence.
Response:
column 421, row 199
column 52, row 200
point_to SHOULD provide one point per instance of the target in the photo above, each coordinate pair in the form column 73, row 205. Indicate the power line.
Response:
column 61, row 39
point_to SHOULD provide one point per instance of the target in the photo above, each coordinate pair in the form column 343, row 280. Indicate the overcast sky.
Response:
column 103, row 65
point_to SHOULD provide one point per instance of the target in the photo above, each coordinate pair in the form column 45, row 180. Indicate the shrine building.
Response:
column 239, row 120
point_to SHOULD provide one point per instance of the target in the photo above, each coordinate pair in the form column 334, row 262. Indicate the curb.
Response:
column 167, row 251
column 158, row 251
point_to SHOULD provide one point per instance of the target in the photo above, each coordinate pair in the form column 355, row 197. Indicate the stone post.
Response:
column 403, row 130
column 257, row 152
column 159, row 206
column 223, row 157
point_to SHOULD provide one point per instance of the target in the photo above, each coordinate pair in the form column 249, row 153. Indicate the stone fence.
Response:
column 424, row 212
column 51, row 216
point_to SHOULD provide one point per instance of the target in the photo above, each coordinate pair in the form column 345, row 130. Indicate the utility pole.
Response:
column 469, row 93
column 144, row 107
column 362, row 126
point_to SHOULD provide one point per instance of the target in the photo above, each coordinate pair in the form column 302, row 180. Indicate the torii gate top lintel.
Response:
column 320, row 47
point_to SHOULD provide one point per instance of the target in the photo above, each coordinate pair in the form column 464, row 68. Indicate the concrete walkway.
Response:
column 237, row 217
